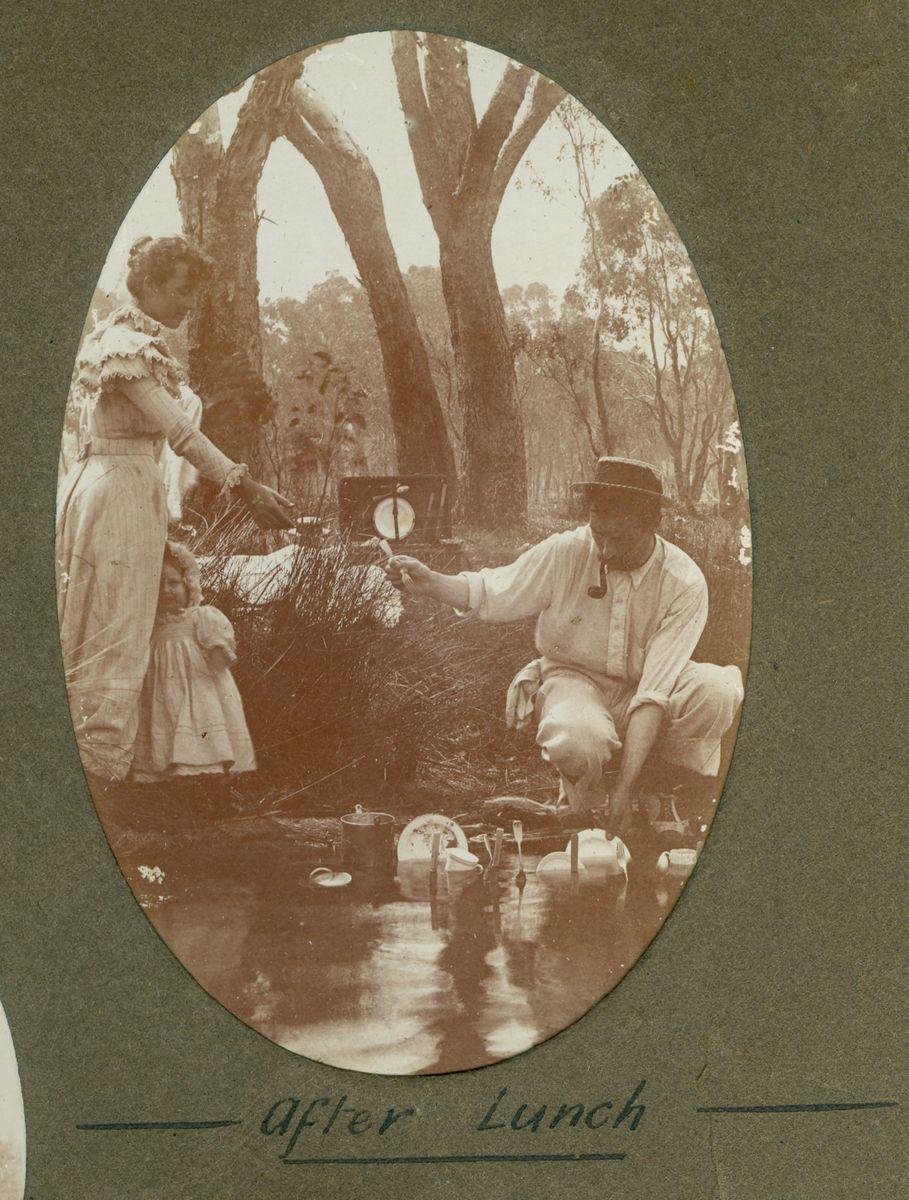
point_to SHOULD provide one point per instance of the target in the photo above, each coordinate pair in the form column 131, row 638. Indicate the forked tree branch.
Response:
column 498, row 121
column 418, row 120
column 260, row 121
column 313, row 129
column 546, row 96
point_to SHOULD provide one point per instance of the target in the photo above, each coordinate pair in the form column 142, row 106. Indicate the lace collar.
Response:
column 174, row 618
column 131, row 314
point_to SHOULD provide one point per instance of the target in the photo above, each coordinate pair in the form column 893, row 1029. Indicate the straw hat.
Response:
column 622, row 476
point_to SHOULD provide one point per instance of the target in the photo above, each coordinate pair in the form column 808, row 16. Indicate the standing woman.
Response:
column 112, row 510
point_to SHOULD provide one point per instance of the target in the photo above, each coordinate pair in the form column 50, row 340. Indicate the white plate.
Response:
column 383, row 518
column 333, row 879
column 559, row 862
column 415, row 842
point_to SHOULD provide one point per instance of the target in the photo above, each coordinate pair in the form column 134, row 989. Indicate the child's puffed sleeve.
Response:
column 215, row 636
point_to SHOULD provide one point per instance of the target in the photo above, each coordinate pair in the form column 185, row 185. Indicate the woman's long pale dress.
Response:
column 112, row 525
column 191, row 718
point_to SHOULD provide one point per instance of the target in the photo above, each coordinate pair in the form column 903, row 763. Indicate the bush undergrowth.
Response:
column 344, row 708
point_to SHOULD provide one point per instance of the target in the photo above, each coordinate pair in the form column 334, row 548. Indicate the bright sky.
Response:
column 536, row 238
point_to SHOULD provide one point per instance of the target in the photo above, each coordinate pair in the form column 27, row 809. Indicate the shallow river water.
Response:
column 390, row 974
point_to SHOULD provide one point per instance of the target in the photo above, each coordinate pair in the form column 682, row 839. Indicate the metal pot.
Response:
column 367, row 840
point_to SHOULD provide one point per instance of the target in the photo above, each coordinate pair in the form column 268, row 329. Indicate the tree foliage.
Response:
column 330, row 406
column 637, row 257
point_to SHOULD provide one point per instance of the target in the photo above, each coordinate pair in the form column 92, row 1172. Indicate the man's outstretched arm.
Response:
column 410, row 575
column 520, row 589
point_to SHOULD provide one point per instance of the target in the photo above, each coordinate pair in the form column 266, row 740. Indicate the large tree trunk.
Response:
column 464, row 166
column 495, row 491
column 216, row 193
column 224, row 329
column 421, row 437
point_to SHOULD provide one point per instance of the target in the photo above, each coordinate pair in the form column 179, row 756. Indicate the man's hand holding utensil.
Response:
column 407, row 573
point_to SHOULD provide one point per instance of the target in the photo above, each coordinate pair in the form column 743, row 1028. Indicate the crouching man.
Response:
column 619, row 612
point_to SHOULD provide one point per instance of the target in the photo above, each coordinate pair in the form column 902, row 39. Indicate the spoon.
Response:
column 497, row 846
column 517, row 829
column 488, row 844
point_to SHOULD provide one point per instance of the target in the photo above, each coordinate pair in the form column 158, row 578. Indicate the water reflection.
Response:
column 400, row 974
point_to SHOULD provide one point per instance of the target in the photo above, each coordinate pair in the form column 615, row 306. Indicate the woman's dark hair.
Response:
column 154, row 260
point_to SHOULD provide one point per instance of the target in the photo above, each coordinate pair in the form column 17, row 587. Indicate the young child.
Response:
column 191, row 718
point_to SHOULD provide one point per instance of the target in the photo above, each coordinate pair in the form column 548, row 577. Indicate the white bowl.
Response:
column 557, row 863
column 595, row 848
column 457, row 859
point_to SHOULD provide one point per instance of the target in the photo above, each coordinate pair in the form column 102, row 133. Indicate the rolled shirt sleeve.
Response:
column 165, row 413
column 516, row 591
column 671, row 646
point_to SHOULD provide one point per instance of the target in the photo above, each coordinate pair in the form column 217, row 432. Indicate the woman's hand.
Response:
column 269, row 509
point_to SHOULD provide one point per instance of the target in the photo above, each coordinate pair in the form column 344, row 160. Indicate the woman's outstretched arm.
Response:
column 269, row 508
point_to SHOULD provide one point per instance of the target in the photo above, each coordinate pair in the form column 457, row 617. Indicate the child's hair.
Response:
column 185, row 562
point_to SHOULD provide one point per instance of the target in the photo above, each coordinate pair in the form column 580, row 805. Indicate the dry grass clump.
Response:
column 345, row 708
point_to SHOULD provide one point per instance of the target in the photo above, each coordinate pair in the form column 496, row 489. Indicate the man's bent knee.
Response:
column 709, row 690
column 579, row 748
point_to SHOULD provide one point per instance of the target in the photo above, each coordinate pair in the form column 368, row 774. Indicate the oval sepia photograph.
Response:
column 403, row 555
column 12, row 1119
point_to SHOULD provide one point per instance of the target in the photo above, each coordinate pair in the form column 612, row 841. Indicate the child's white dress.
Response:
column 191, row 718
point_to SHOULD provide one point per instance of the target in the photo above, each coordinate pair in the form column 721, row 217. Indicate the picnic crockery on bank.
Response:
column 460, row 860
column 415, row 842
column 682, row 859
